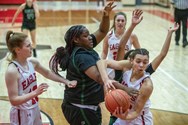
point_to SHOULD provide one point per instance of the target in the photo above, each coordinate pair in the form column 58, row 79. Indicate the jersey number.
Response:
column 34, row 100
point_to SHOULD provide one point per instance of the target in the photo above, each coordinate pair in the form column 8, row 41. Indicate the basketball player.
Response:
column 153, row 66
column 21, row 81
column 137, row 78
column 157, row 60
column 112, row 39
column 81, row 104
column 30, row 13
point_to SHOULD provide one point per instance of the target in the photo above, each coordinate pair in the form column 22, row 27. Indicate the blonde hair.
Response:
column 13, row 40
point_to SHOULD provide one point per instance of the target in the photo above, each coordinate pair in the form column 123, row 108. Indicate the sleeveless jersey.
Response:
column 145, row 116
column 113, row 43
column 26, row 84
column 28, row 14
column 136, row 85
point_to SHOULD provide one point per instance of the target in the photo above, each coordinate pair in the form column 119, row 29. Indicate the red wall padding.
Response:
column 12, row 1
column 7, row 15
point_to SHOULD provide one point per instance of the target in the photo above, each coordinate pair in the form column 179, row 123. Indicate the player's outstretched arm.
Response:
column 159, row 58
column 136, row 19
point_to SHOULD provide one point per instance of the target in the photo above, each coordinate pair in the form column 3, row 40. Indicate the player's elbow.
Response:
column 14, row 102
column 99, row 79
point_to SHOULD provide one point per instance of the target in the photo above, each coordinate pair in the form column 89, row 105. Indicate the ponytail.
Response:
column 59, row 59
column 13, row 40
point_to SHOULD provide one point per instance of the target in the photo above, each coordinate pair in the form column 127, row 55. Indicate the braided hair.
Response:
column 62, row 54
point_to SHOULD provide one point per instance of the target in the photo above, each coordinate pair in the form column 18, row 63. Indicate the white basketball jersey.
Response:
column 145, row 116
column 113, row 43
column 136, row 85
column 26, row 84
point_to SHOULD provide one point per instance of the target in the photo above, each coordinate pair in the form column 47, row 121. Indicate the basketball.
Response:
column 117, row 98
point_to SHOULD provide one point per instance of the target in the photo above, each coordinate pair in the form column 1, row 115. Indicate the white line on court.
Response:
column 178, row 83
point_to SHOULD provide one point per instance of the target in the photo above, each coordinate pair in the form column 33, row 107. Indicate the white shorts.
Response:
column 25, row 116
column 143, row 119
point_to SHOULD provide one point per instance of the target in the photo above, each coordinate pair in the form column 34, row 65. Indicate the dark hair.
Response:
column 128, row 54
column 61, row 57
column 13, row 40
column 117, row 14
column 141, row 51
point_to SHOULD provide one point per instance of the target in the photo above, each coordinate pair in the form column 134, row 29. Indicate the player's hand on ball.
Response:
column 120, row 113
column 109, row 84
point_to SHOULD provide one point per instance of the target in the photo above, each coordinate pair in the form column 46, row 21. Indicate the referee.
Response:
column 180, row 16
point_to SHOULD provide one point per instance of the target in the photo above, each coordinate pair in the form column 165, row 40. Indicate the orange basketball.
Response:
column 117, row 98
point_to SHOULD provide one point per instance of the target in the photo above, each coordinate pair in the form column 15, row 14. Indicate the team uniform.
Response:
column 145, row 116
column 28, row 18
column 27, row 113
column 81, row 104
column 113, row 43
column 118, row 77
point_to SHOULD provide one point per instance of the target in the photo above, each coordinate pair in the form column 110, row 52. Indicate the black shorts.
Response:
column 29, row 26
column 81, row 116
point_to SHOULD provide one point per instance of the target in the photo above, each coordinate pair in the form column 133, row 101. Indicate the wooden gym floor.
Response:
column 169, row 98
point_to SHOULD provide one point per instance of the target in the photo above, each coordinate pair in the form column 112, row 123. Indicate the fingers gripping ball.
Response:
column 117, row 98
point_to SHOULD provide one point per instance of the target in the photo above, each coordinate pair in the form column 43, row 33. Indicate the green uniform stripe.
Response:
column 84, row 116
column 83, row 80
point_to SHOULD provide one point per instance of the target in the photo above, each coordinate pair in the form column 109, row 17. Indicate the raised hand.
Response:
column 108, row 8
column 172, row 29
column 137, row 16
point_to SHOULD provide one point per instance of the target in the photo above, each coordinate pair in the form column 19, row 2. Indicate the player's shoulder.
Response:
column 34, row 61
column 22, row 6
column 110, row 33
column 11, row 69
column 148, row 83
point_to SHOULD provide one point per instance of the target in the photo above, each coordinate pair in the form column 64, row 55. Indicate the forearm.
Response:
column 105, row 23
column 132, row 115
column 103, row 56
column 123, row 42
column 18, row 100
column 166, row 45
column 14, row 18
column 120, row 86
column 102, row 66
column 37, row 14
column 17, row 12
column 54, row 77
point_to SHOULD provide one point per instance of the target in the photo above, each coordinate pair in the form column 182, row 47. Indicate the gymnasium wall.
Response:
column 11, row 1
column 124, row 2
